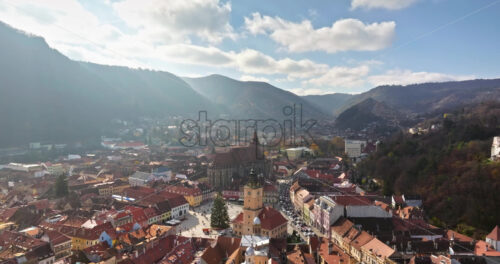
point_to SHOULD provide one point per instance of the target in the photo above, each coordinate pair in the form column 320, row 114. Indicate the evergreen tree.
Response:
column 61, row 187
column 219, row 217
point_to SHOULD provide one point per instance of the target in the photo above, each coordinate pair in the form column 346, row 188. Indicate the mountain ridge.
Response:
column 240, row 97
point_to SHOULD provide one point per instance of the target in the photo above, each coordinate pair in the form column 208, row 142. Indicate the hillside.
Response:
column 46, row 96
column 449, row 167
column 328, row 103
column 250, row 99
column 367, row 112
column 430, row 97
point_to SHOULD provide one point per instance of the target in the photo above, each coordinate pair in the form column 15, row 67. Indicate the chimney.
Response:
column 330, row 247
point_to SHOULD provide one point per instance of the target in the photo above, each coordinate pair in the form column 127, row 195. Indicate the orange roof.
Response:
column 183, row 190
column 271, row 218
column 378, row 248
column 351, row 200
column 296, row 256
column 458, row 237
column 361, row 240
column 238, row 218
column 342, row 226
column 224, row 247
column 495, row 234
column 483, row 249
column 335, row 256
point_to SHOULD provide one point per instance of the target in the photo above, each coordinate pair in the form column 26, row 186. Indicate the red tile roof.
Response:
column 183, row 190
column 223, row 248
column 317, row 174
column 342, row 226
column 238, row 218
column 458, row 237
column 138, row 192
column 137, row 214
column 271, row 218
column 155, row 254
column 378, row 248
column 361, row 240
column 495, row 234
column 175, row 200
column 355, row 200
column 483, row 249
column 270, row 188
column 94, row 233
column 56, row 237
column 6, row 214
column 337, row 255
column 150, row 212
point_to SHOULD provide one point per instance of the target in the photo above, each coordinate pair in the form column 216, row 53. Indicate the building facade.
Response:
column 256, row 219
column 236, row 162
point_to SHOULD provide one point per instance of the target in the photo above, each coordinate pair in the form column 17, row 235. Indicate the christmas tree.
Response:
column 61, row 186
column 219, row 217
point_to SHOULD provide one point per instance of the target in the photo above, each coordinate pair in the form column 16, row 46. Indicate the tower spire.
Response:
column 255, row 138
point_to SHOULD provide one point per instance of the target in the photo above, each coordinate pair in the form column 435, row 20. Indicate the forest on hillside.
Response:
column 449, row 167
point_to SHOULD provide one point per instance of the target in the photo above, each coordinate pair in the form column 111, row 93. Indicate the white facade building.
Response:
column 140, row 178
column 495, row 149
column 354, row 148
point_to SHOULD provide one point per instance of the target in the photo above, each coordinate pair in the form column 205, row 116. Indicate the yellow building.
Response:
column 255, row 218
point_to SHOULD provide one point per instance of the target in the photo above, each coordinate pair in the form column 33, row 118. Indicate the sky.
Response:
column 306, row 47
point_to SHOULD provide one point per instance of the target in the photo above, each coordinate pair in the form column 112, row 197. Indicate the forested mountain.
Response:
column 46, row 96
column 366, row 112
column 448, row 166
column 328, row 103
column 250, row 99
column 429, row 97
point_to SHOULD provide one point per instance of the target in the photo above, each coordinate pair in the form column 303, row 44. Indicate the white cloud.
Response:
column 69, row 27
column 77, row 33
column 385, row 4
column 255, row 62
column 176, row 20
column 250, row 78
column 404, row 77
column 341, row 77
column 343, row 35
column 308, row 91
column 194, row 54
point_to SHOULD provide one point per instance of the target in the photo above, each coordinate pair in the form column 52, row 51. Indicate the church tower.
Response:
column 252, row 204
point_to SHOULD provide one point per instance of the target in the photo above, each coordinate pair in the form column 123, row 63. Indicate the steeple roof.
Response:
column 253, row 181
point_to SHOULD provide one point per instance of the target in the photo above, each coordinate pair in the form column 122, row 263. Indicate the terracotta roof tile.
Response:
column 494, row 234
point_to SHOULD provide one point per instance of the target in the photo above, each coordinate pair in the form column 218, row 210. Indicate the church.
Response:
column 257, row 220
column 230, row 166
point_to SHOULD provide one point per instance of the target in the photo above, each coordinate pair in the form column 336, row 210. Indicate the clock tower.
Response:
column 252, row 204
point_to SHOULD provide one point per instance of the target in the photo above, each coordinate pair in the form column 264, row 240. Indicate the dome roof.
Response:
column 249, row 251
column 256, row 221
